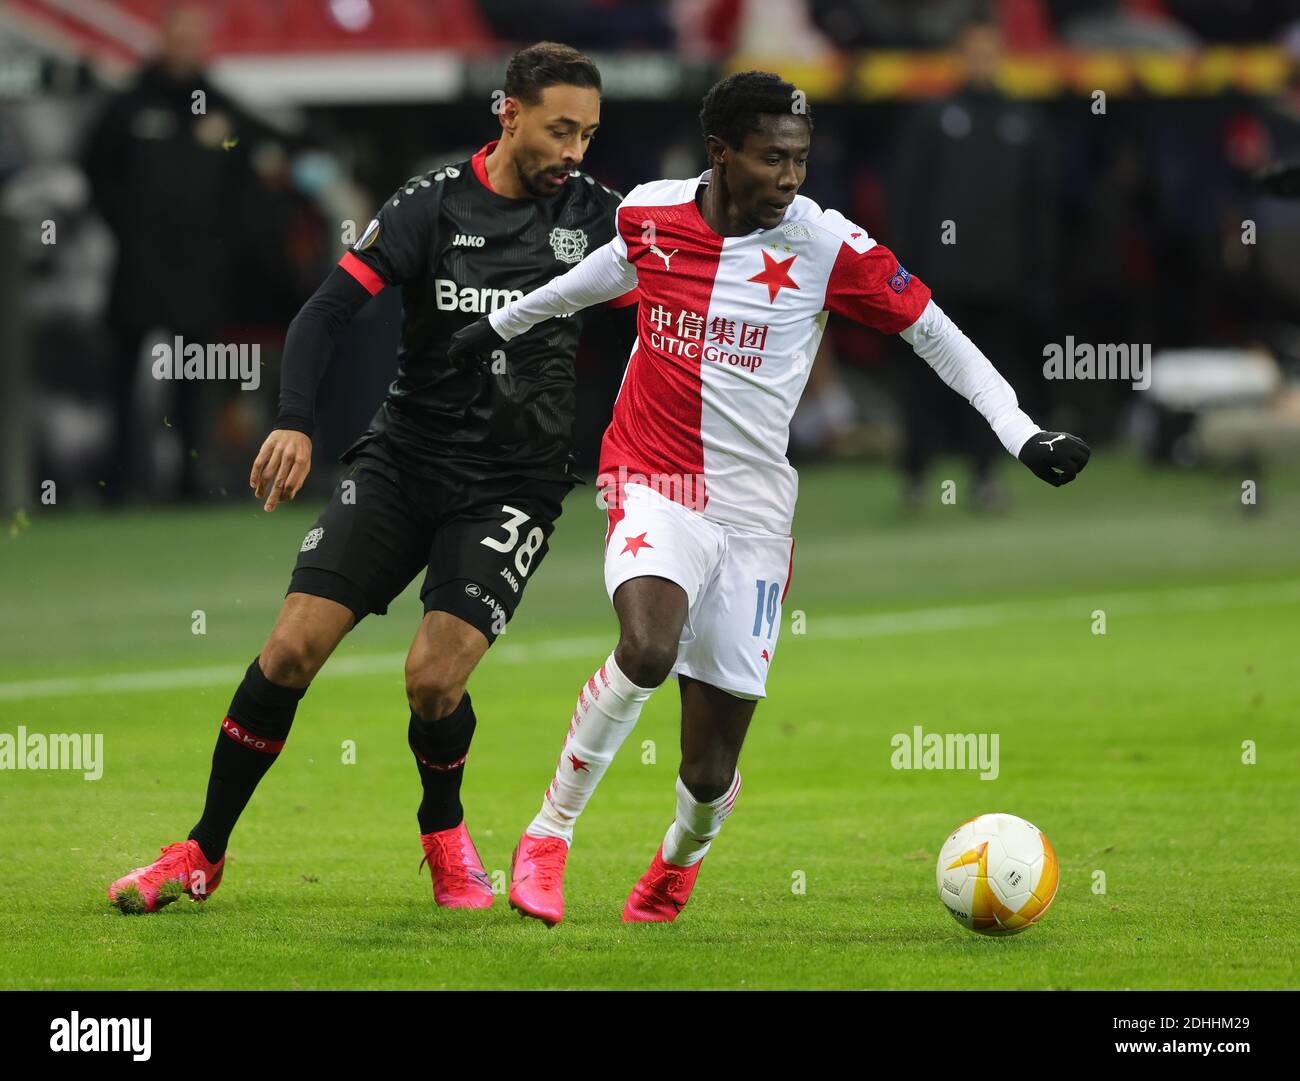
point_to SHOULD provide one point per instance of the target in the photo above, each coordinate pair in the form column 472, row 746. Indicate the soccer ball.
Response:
column 997, row 874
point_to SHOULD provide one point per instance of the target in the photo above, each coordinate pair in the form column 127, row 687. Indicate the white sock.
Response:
column 688, row 838
column 607, row 711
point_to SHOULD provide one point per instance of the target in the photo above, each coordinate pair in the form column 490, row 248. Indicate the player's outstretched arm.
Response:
column 603, row 275
column 282, row 465
column 1056, row 457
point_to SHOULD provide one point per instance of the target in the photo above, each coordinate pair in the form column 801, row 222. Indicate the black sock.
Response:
column 440, row 748
column 252, row 734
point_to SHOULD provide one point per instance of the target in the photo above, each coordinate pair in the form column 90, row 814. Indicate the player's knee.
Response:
column 645, row 659
column 289, row 660
column 433, row 692
column 707, row 781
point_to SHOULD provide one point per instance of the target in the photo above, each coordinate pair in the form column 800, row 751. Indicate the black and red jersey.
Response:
column 459, row 250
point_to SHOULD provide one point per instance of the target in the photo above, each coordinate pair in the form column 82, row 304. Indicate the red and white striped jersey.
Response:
column 728, row 328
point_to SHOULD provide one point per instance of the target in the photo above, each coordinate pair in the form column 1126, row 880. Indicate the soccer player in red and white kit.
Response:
column 736, row 274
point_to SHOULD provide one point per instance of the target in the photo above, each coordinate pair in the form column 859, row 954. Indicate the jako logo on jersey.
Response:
column 900, row 279
column 510, row 579
column 450, row 297
column 466, row 240
column 569, row 245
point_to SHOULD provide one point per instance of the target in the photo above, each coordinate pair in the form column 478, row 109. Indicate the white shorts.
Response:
column 735, row 582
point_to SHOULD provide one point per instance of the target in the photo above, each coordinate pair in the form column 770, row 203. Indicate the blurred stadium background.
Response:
column 125, row 217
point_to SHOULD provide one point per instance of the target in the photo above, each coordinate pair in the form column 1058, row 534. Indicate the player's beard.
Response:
column 537, row 182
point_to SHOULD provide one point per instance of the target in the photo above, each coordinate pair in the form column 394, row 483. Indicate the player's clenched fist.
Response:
column 281, row 466
column 1056, row 457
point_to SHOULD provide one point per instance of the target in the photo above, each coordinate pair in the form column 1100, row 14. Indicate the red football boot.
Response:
column 459, row 880
column 537, row 878
column 181, row 871
column 661, row 893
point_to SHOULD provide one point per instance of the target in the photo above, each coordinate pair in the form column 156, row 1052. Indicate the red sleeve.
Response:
column 630, row 297
column 872, row 288
column 362, row 272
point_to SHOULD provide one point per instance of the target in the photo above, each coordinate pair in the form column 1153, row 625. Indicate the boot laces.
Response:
column 548, row 861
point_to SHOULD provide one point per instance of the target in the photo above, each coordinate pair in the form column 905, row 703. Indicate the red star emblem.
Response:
column 635, row 544
column 776, row 276
column 578, row 764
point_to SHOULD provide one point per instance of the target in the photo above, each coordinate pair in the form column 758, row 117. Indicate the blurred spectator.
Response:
column 1115, row 24
column 914, row 24
column 974, row 217
column 170, row 174
column 584, row 24
column 781, row 28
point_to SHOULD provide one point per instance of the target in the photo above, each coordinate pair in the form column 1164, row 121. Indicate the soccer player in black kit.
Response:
column 460, row 475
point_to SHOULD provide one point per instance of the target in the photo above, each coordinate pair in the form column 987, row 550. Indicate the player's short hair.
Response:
column 732, row 106
column 548, row 63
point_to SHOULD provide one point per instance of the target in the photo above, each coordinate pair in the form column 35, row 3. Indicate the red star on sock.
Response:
column 635, row 544
column 776, row 276
column 578, row 764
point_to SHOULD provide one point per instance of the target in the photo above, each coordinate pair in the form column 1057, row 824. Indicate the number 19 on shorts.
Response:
column 767, row 603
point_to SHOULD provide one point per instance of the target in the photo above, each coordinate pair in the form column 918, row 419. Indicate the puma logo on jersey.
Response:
column 666, row 258
column 1048, row 442
column 466, row 240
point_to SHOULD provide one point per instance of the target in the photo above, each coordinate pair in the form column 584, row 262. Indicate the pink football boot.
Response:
column 661, row 893
column 459, row 880
column 181, row 871
column 537, row 878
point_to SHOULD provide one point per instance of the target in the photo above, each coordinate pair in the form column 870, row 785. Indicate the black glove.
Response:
column 1056, row 457
column 470, row 348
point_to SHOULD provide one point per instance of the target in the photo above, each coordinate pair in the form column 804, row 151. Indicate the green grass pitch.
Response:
column 1126, row 748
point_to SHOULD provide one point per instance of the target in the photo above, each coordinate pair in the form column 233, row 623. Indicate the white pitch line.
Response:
column 874, row 625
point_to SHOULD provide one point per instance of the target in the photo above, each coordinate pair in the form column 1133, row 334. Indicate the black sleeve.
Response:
column 622, row 326
column 309, row 345
column 397, row 242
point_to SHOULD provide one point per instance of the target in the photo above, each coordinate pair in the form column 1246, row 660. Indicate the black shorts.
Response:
column 478, row 542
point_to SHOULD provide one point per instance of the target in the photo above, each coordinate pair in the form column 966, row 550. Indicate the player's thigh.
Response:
column 368, row 544
column 443, row 654
column 737, row 621
column 307, row 631
column 651, row 614
column 658, row 557
column 483, row 556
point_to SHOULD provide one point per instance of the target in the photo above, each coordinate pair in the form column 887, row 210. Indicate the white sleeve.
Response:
column 604, row 275
column 938, row 341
